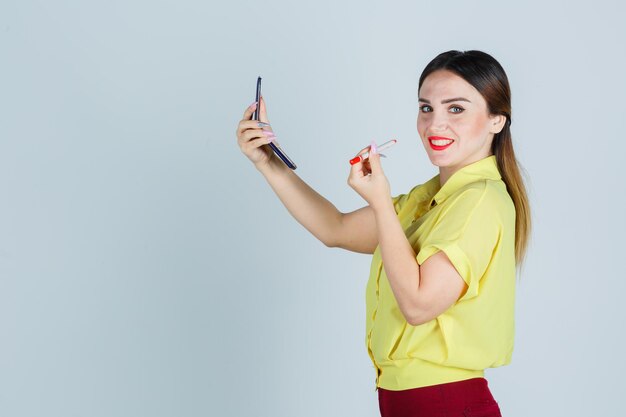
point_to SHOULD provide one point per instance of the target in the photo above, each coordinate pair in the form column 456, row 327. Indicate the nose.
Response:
column 438, row 122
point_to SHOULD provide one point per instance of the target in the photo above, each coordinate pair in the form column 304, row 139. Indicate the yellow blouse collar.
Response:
column 486, row 168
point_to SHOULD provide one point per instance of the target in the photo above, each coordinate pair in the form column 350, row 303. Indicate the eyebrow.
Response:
column 448, row 100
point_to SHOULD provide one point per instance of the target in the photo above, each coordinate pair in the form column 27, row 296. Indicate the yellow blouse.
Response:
column 472, row 219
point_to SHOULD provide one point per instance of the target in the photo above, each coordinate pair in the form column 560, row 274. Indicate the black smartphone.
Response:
column 255, row 116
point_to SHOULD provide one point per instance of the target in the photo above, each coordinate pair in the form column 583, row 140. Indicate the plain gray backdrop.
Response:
column 146, row 267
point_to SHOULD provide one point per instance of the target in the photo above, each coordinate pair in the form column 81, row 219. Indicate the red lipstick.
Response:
column 439, row 138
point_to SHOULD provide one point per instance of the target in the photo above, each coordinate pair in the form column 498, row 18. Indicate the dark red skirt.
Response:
column 468, row 398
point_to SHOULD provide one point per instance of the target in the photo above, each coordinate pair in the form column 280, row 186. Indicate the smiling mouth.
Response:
column 439, row 143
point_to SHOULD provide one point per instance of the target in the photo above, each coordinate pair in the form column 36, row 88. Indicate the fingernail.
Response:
column 252, row 105
column 268, row 133
column 373, row 147
column 262, row 124
column 271, row 139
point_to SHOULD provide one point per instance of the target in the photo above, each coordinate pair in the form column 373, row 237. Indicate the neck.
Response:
column 446, row 172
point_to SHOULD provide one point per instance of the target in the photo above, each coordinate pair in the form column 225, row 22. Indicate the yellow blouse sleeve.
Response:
column 398, row 201
column 467, row 231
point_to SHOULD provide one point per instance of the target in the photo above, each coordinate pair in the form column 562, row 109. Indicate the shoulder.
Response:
column 486, row 194
column 484, row 203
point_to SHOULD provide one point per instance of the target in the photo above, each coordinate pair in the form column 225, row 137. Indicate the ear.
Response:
column 496, row 123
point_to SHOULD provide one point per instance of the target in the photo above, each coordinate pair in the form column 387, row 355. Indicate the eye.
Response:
column 457, row 109
column 425, row 108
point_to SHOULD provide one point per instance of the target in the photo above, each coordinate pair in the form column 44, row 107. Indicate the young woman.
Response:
column 440, row 296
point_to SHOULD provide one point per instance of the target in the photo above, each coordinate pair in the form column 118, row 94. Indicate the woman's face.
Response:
column 453, row 122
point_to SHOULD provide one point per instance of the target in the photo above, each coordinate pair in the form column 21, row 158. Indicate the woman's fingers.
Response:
column 258, row 142
column 252, row 134
column 360, row 169
column 252, row 124
column 247, row 115
column 374, row 160
column 366, row 162
column 247, row 122
column 263, row 111
column 252, row 139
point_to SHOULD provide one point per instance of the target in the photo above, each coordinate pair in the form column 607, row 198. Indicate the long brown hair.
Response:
column 483, row 72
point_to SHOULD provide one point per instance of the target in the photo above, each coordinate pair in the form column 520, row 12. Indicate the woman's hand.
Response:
column 368, row 179
column 251, row 137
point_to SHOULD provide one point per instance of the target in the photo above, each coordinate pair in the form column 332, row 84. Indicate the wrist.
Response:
column 383, row 207
column 273, row 165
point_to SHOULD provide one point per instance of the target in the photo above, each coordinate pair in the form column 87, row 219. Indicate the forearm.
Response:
column 399, row 260
column 318, row 215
